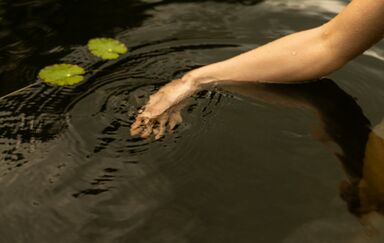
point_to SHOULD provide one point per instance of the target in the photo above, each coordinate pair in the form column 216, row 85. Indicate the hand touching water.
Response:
column 163, row 109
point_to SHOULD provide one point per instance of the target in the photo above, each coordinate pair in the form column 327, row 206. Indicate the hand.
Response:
column 163, row 108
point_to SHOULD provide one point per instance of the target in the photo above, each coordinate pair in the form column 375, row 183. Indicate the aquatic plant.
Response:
column 70, row 74
column 106, row 48
column 62, row 74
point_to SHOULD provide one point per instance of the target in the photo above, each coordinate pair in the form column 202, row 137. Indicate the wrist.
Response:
column 199, row 79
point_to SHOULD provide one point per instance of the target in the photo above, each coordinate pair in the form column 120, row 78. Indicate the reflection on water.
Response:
column 238, row 169
column 359, row 149
column 310, row 6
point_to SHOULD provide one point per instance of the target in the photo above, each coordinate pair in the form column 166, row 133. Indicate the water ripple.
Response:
column 69, row 167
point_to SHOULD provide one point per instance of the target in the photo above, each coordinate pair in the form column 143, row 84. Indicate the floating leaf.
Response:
column 106, row 48
column 62, row 74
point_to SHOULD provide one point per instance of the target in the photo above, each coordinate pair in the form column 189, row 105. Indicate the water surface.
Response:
column 248, row 164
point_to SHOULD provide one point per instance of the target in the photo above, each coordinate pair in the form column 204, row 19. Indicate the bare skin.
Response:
column 298, row 57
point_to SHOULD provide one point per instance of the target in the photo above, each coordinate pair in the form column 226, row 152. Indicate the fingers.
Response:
column 140, row 123
column 148, row 128
column 144, row 126
column 155, row 115
column 174, row 120
column 161, row 129
column 136, row 127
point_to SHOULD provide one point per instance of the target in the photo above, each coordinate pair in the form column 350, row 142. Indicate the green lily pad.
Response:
column 106, row 48
column 62, row 74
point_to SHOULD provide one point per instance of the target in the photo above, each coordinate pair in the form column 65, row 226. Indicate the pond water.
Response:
column 249, row 164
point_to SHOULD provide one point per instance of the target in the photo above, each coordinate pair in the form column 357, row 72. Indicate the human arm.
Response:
column 304, row 55
column 297, row 57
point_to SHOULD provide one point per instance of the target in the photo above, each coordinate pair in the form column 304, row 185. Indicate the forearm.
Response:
column 304, row 55
column 297, row 57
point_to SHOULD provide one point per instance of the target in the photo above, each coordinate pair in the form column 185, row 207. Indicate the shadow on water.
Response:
column 346, row 131
column 244, row 166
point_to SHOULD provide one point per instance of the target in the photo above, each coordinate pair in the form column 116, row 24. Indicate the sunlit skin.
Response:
column 298, row 57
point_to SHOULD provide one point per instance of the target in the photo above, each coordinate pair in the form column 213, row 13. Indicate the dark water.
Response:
column 248, row 164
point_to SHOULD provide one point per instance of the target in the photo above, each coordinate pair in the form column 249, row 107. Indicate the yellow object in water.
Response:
column 372, row 184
